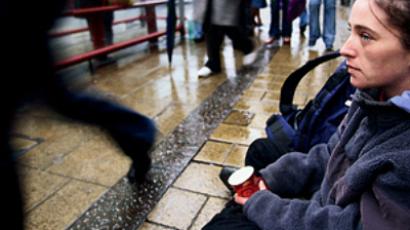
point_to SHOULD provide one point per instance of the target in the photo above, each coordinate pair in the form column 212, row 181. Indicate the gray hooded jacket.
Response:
column 360, row 179
column 223, row 12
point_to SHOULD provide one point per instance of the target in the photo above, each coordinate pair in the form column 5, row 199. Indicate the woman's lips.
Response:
column 352, row 70
column 353, row 67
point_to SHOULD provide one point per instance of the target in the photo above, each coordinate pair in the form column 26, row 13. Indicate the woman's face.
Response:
column 375, row 56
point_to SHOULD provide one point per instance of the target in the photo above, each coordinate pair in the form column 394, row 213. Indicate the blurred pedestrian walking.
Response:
column 329, row 23
column 279, row 27
column 224, row 17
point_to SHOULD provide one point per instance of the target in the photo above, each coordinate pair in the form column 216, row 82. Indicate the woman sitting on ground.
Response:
column 360, row 179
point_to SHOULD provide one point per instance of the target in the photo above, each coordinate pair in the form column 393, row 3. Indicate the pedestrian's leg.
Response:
column 239, row 39
column 314, row 27
column 133, row 132
column 303, row 22
column 247, row 18
column 274, row 31
column 243, row 43
column 329, row 23
column 214, row 39
column 286, row 24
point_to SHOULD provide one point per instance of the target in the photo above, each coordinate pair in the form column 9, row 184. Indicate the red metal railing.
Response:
column 152, row 35
column 108, row 49
column 85, row 11
column 83, row 29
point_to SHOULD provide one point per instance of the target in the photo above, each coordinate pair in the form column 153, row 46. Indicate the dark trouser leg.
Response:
column 133, row 132
column 239, row 39
column 261, row 153
column 274, row 30
column 230, row 218
column 214, row 39
column 247, row 19
column 286, row 25
column 108, row 30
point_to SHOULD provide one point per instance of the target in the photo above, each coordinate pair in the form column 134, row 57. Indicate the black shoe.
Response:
column 329, row 49
column 199, row 39
column 225, row 173
column 345, row 2
column 138, row 171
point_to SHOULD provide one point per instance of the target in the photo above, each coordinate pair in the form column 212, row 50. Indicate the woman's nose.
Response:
column 347, row 50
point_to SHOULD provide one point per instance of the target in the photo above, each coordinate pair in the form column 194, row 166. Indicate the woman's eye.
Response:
column 365, row 37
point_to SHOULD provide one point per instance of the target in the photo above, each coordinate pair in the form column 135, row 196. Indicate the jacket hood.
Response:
column 402, row 101
column 369, row 98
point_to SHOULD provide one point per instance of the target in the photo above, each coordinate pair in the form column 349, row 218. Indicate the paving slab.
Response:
column 202, row 178
column 213, row 206
column 177, row 208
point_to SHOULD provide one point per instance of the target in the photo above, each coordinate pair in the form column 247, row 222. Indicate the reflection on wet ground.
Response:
column 73, row 174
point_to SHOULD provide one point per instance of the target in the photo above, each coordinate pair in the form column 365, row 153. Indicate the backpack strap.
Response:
column 325, row 111
column 289, row 86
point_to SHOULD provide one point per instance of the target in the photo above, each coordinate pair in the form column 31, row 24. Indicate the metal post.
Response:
column 152, row 25
column 91, row 67
column 182, row 17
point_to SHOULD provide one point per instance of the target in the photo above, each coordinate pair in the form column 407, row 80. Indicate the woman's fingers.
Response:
column 262, row 185
column 239, row 199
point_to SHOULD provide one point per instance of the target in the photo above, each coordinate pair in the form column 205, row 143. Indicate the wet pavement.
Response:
column 73, row 174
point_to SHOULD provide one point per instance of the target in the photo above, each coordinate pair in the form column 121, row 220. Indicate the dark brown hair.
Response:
column 398, row 12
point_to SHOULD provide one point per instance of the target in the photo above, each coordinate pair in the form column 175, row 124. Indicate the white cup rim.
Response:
column 241, row 175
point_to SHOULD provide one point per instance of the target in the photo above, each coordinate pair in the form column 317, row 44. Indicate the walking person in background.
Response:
column 329, row 23
column 360, row 179
column 224, row 18
column 275, row 31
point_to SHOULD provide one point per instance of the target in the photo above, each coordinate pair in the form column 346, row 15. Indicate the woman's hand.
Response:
column 262, row 185
column 242, row 200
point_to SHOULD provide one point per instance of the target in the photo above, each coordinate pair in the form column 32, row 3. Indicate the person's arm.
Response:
column 299, row 174
column 379, row 199
column 269, row 211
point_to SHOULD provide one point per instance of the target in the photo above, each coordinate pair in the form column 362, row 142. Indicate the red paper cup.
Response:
column 244, row 181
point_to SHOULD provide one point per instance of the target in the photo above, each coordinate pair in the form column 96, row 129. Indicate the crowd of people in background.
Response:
column 212, row 20
column 238, row 19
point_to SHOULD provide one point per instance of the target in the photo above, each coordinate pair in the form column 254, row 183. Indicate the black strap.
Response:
column 288, row 89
